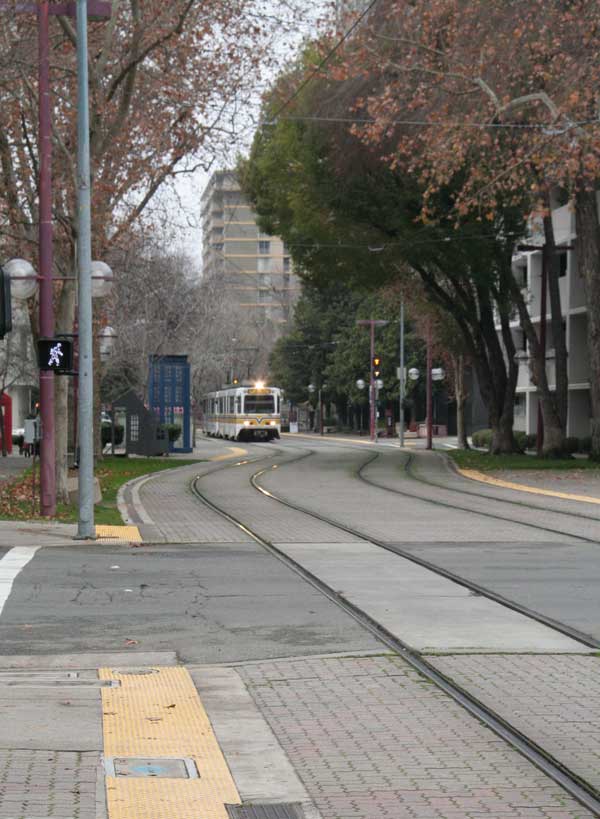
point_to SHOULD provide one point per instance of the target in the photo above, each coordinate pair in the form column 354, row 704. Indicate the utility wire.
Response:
column 548, row 130
column 324, row 61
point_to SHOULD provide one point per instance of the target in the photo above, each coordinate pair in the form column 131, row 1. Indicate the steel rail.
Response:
column 408, row 468
column 449, row 505
column 556, row 625
column 580, row 790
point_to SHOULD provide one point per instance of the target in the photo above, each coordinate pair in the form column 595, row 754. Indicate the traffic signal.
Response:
column 376, row 366
column 5, row 303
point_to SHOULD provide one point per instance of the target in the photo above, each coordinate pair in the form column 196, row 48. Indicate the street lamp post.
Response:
column 85, row 525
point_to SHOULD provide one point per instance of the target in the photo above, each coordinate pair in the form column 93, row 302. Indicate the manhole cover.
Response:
column 281, row 811
column 166, row 768
column 138, row 672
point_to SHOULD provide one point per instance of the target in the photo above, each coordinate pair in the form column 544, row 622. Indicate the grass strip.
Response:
column 112, row 472
column 470, row 459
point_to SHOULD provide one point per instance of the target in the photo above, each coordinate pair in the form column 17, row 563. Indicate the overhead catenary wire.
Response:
column 546, row 129
column 325, row 60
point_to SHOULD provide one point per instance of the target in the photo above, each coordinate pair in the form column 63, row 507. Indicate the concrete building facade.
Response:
column 528, row 266
column 254, row 268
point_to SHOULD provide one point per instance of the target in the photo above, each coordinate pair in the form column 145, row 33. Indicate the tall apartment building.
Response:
column 528, row 267
column 254, row 268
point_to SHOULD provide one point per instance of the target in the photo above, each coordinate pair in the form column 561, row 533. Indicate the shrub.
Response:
column 585, row 445
column 482, row 439
column 520, row 439
column 173, row 431
column 107, row 434
column 329, row 421
column 530, row 441
column 571, row 445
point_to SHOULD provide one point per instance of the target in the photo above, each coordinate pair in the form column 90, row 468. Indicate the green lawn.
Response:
column 112, row 472
column 469, row 459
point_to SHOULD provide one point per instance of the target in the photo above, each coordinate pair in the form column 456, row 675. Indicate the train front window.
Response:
column 259, row 403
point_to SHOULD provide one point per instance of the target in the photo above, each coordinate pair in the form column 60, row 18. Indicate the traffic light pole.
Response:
column 372, row 402
column 402, row 384
column 372, row 324
column 429, row 389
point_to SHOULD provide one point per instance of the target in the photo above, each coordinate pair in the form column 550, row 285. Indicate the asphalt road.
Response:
column 210, row 604
column 218, row 601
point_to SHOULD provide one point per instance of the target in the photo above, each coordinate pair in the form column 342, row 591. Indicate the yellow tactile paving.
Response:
column 160, row 715
column 475, row 475
column 236, row 452
column 128, row 533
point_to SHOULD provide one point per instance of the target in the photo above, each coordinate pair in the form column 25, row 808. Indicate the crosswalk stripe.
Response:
column 10, row 566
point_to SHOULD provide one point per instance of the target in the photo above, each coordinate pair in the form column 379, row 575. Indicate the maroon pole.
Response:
column 47, row 448
column 429, row 389
column 539, row 443
column 372, row 386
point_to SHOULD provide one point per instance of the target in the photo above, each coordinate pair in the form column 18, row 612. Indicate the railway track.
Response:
column 585, row 794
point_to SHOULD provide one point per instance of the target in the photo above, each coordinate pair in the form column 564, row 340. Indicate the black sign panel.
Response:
column 56, row 354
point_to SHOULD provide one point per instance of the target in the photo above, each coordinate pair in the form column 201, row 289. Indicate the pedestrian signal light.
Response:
column 376, row 366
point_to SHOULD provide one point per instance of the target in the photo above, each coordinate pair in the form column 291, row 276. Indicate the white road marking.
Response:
column 10, row 565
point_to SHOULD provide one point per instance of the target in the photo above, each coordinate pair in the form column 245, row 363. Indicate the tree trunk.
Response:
column 65, row 313
column 559, row 341
column 554, row 432
column 588, row 259
column 459, row 391
column 503, row 440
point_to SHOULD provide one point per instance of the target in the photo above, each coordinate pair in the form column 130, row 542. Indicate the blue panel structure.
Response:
column 170, row 396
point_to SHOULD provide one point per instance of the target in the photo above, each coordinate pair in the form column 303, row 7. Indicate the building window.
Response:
column 263, row 265
column 217, row 215
column 134, row 428
column 286, row 264
column 264, row 247
column 218, row 247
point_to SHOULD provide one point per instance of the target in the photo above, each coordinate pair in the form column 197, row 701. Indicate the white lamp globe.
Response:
column 23, row 281
column 107, row 341
column 102, row 280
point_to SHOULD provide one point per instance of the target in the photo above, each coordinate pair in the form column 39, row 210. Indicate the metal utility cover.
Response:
column 282, row 811
column 142, row 767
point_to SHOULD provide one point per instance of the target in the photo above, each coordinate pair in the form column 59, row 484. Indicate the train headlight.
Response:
column 246, row 423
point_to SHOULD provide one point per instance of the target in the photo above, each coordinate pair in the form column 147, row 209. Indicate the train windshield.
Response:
column 259, row 403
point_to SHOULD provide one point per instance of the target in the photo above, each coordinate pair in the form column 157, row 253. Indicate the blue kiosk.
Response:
column 170, row 396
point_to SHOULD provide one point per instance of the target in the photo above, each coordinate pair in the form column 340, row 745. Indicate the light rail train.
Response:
column 243, row 413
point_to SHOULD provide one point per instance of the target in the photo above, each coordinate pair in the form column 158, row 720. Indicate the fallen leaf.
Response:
column 131, row 642
column 170, row 706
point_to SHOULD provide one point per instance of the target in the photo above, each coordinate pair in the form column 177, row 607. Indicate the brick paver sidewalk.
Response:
column 48, row 784
column 554, row 700
column 370, row 738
